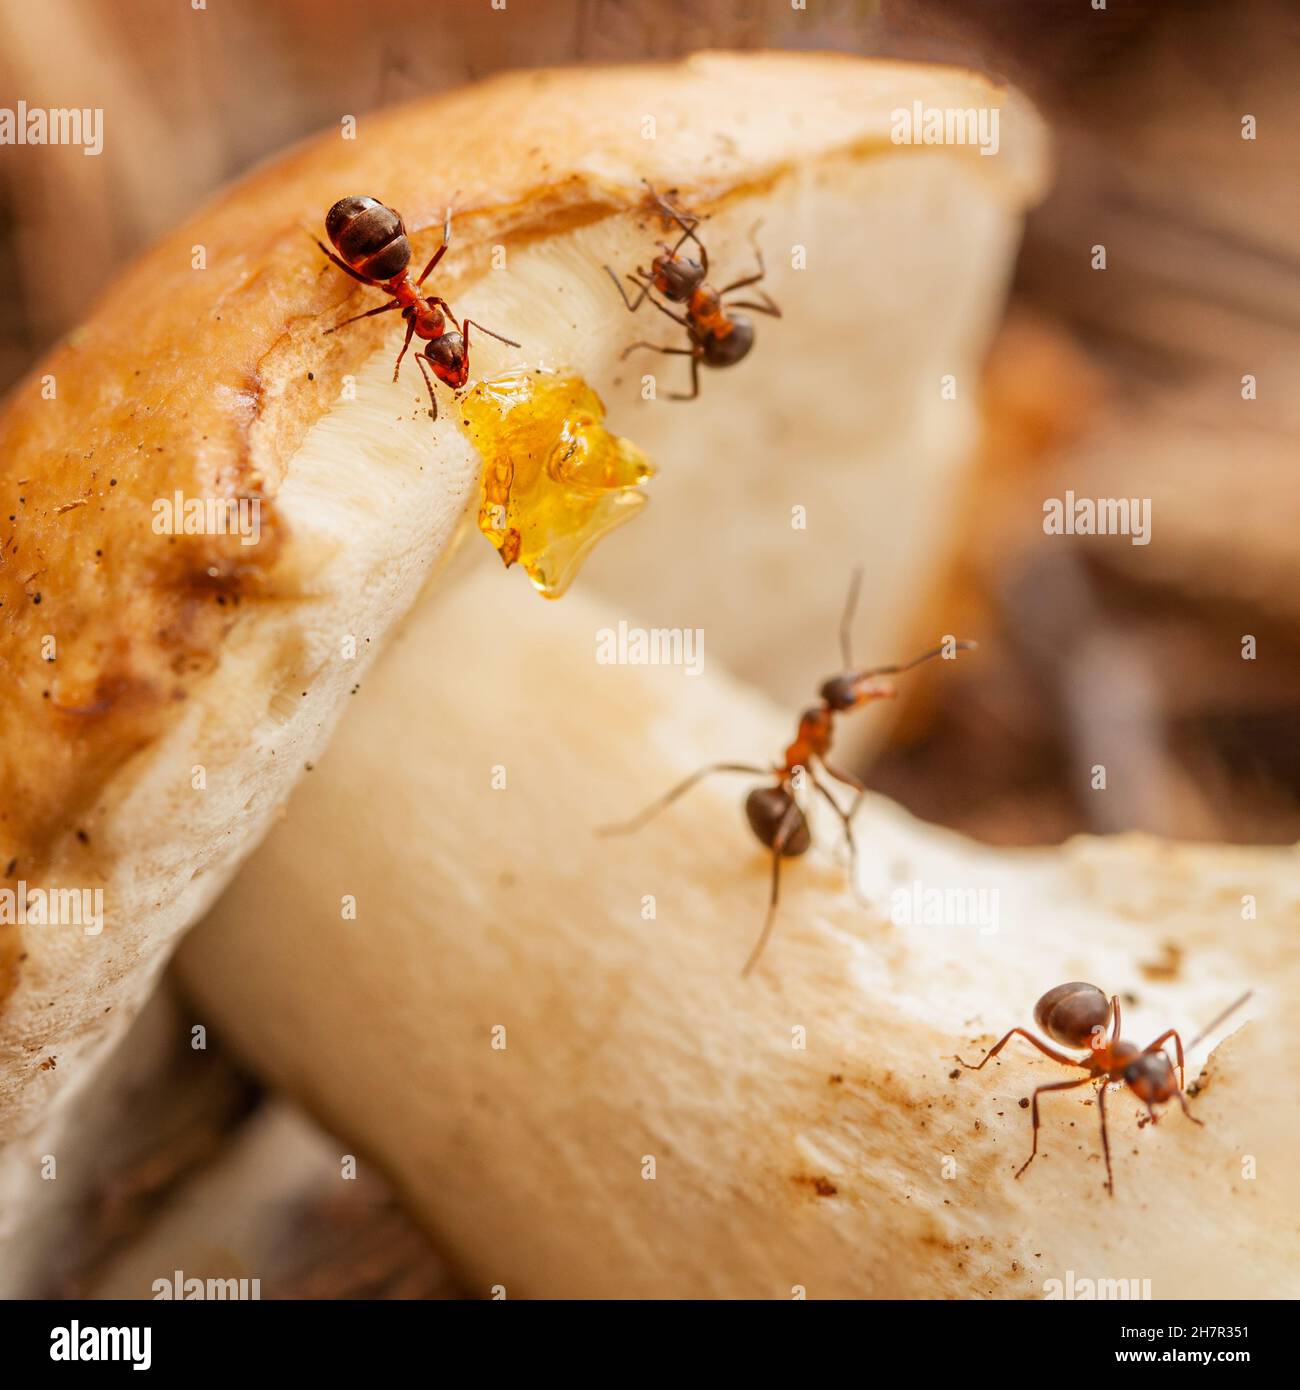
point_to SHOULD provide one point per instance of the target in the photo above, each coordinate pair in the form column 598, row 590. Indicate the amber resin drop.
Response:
column 555, row 480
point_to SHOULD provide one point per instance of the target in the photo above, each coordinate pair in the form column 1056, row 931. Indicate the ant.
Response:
column 373, row 248
column 1078, row 1016
column 718, row 337
column 774, row 815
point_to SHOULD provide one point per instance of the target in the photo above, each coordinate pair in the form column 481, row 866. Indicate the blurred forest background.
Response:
column 1126, row 382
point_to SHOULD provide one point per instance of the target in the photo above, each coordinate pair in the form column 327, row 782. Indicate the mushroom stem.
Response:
column 544, row 1036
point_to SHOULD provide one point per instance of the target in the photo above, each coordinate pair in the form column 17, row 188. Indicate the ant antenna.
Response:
column 846, row 622
column 1218, row 1019
column 687, row 221
column 961, row 645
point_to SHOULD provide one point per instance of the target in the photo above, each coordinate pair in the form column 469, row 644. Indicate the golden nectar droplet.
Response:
column 554, row 479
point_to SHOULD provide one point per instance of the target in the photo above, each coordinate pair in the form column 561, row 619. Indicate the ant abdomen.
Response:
column 766, row 809
column 730, row 349
column 1072, row 1013
column 370, row 236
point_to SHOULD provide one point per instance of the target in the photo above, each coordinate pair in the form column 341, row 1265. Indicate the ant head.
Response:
column 1072, row 1014
column 369, row 236
column 852, row 688
column 838, row 692
column 766, row 808
column 676, row 277
column 1150, row 1076
column 447, row 357
column 729, row 349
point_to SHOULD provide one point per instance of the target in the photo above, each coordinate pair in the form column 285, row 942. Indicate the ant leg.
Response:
column 441, row 251
column 690, row 352
column 704, row 250
column 664, row 309
column 1178, row 1045
column 769, row 306
column 695, row 381
column 369, row 314
column 397, row 366
column 1105, row 1135
column 1029, row 1037
column 845, row 821
column 420, row 360
column 1182, row 1070
column 758, row 254
column 849, row 780
column 654, row 347
column 442, row 304
column 1182, row 1100
column 632, row 304
column 662, row 804
column 645, row 294
column 1054, row 1086
column 1114, row 1013
column 783, row 833
column 342, row 265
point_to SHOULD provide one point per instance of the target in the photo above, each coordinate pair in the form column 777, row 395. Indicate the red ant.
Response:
column 373, row 248
column 774, row 815
column 1077, row 1015
column 718, row 337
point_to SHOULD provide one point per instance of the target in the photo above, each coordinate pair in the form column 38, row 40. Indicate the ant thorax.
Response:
column 1106, row 1059
column 706, row 311
column 404, row 291
column 429, row 322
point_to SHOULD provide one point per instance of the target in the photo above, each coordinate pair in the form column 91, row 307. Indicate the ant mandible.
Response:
column 774, row 815
column 373, row 248
column 718, row 337
column 1077, row 1015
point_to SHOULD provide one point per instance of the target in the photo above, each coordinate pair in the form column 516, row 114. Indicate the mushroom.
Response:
column 167, row 686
